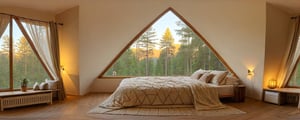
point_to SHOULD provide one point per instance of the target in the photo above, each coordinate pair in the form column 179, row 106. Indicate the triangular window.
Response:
column 168, row 47
column 17, row 60
column 295, row 77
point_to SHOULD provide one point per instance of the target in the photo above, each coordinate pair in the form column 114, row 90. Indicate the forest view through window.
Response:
column 295, row 78
column 168, row 48
column 25, row 63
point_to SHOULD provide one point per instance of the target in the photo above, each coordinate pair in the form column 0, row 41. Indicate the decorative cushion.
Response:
column 218, row 77
column 206, row 77
column 43, row 86
column 229, row 80
column 197, row 74
column 52, row 84
column 36, row 86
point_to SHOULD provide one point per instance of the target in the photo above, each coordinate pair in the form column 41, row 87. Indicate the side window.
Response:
column 25, row 63
column 295, row 78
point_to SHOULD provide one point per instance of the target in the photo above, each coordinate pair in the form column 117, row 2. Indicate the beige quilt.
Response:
column 157, row 91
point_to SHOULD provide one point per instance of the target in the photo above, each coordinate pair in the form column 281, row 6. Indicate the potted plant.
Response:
column 24, row 83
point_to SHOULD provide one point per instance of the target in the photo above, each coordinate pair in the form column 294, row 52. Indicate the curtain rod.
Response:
column 31, row 18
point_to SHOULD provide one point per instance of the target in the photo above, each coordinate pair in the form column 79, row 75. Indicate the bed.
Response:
column 202, row 89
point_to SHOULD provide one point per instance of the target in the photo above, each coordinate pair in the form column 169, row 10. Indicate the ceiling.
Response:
column 51, row 6
column 290, row 6
column 57, row 6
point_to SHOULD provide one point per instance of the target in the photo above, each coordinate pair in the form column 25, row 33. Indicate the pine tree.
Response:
column 4, row 62
column 5, row 45
column 144, row 47
column 167, row 50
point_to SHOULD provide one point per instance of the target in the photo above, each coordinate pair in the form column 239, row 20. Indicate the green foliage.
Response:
column 191, row 55
column 25, row 64
column 294, row 80
column 24, row 82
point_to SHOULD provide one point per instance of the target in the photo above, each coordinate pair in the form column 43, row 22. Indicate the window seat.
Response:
column 18, row 98
column 277, row 95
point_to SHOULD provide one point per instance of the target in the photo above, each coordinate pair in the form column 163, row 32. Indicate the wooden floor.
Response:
column 76, row 108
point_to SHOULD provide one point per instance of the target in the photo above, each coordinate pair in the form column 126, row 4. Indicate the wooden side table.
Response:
column 239, row 93
column 278, row 95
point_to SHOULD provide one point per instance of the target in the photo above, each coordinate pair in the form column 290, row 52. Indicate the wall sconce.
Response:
column 272, row 83
column 62, row 68
column 250, row 72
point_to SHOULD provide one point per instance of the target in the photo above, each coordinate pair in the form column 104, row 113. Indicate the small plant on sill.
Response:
column 24, row 83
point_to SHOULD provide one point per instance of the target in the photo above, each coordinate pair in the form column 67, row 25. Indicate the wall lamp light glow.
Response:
column 62, row 68
column 250, row 72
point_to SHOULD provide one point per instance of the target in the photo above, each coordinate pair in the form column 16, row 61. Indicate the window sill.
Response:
column 115, row 77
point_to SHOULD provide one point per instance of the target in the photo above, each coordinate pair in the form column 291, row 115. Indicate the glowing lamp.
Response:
column 250, row 72
column 62, row 68
column 272, row 84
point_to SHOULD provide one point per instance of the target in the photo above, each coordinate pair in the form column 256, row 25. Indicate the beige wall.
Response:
column 277, row 33
column 92, row 38
column 69, row 49
column 25, row 12
column 236, row 29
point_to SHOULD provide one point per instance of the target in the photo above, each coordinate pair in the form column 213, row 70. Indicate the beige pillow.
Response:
column 218, row 77
column 52, row 84
column 206, row 77
column 43, row 86
column 197, row 74
column 231, row 81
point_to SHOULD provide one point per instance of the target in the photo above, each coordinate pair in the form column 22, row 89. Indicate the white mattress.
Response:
column 224, row 90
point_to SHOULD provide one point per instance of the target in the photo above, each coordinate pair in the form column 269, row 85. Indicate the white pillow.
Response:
column 36, row 86
column 43, row 86
column 197, row 74
column 206, row 77
column 52, row 84
column 218, row 77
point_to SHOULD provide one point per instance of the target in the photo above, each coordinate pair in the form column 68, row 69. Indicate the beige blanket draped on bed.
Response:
column 205, row 97
column 158, row 91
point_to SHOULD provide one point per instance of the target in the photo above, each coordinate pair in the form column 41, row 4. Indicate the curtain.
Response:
column 37, row 34
column 43, row 38
column 291, row 59
column 54, row 48
column 4, row 20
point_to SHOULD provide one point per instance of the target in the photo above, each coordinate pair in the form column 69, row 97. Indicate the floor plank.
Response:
column 76, row 108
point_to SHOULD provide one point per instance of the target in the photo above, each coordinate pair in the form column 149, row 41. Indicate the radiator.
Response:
column 292, row 99
column 23, row 100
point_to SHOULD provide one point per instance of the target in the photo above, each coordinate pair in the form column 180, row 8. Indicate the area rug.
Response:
column 167, row 111
column 297, row 111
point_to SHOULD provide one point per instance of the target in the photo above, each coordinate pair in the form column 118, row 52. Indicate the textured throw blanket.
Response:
column 157, row 91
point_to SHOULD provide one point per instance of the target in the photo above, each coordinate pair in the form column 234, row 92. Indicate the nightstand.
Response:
column 239, row 93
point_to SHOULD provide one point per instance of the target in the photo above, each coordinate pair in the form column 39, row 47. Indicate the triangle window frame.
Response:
column 15, row 19
column 148, row 26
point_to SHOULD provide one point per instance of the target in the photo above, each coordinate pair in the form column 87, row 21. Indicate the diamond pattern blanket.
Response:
column 140, row 91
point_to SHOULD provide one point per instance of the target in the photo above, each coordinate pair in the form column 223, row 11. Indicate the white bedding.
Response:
column 224, row 90
column 163, row 91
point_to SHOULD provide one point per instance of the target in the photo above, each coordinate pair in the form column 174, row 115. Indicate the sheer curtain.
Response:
column 4, row 20
column 292, row 56
column 39, row 36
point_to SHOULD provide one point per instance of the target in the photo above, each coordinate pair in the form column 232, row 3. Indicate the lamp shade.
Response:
column 272, row 83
